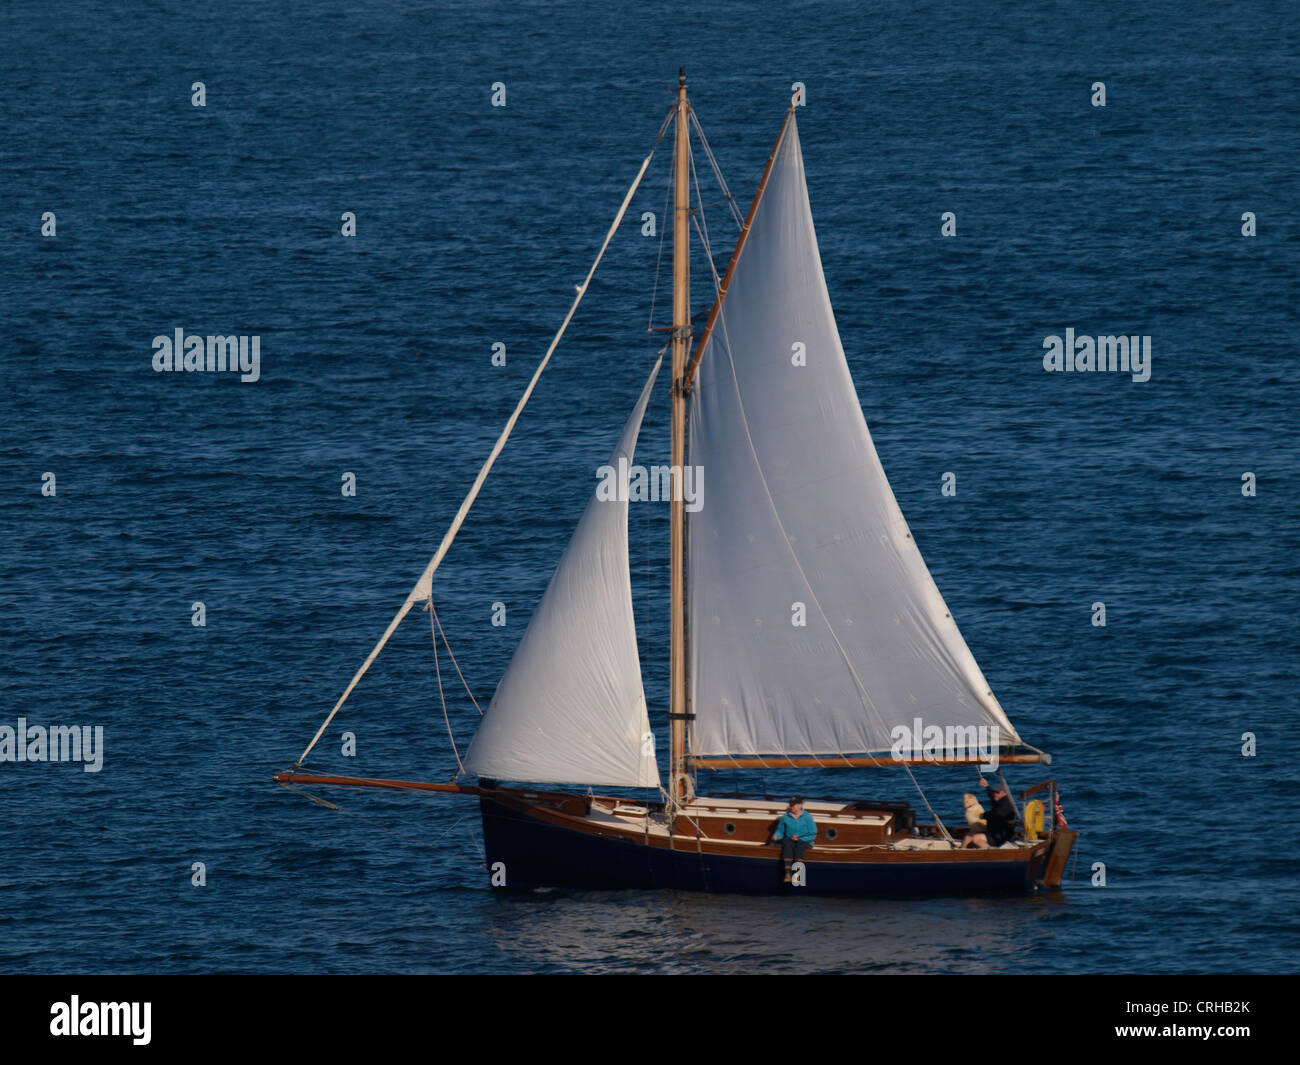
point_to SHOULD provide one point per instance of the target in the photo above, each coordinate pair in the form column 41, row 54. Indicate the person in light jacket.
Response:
column 795, row 832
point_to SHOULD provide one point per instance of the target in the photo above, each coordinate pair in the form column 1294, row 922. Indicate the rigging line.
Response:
column 479, row 846
column 654, row 292
column 735, row 252
column 865, row 697
column 708, row 254
column 373, row 820
column 314, row 798
column 663, row 232
column 424, row 586
column 453, row 659
column 702, row 228
column 441, row 695
column 451, row 830
column 697, row 213
column 717, row 170
column 1003, row 781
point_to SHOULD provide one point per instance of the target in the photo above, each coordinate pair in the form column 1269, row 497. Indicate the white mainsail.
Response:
column 571, row 708
column 798, row 511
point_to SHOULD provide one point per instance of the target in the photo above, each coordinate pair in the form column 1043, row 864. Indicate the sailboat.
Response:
column 806, row 629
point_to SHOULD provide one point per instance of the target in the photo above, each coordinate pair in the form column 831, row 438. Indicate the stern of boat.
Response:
column 1049, row 868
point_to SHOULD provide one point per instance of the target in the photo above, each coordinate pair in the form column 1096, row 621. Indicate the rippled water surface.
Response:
column 473, row 225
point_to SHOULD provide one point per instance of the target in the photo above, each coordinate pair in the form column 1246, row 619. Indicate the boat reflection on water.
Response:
column 679, row 932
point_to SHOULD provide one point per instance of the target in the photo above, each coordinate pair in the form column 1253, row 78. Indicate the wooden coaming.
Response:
column 603, row 821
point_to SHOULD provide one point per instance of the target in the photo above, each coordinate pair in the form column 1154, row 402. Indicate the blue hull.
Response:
column 535, row 853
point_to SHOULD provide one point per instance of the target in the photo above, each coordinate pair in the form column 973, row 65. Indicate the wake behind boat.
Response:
column 806, row 630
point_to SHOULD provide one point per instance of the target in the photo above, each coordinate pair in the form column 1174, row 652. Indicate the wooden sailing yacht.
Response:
column 798, row 521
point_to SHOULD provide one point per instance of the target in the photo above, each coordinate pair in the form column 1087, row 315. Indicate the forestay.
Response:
column 571, row 708
column 798, row 511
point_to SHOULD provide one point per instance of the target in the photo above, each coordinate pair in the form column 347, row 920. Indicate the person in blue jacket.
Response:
column 795, row 832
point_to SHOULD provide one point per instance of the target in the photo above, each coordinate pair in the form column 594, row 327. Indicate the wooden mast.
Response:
column 680, row 782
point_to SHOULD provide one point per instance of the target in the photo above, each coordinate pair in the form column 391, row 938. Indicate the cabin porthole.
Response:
column 729, row 828
column 832, row 833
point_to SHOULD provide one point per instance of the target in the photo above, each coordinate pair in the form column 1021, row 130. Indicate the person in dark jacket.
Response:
column 1000, row 818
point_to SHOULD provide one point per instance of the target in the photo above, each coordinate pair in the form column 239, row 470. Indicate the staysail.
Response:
column 571, row 708
column 815, row 626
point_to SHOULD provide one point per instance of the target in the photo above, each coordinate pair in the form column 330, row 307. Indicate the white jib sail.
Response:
column 815, row 626
column 571, row 708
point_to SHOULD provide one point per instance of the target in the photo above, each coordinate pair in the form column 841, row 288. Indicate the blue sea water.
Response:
column 473, row 223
